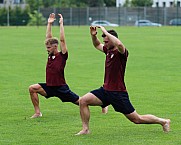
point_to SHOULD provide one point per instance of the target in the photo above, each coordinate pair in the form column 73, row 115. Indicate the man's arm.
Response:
column 97, row 44
column 63, row 45
column 114, row 40
column 51, row 19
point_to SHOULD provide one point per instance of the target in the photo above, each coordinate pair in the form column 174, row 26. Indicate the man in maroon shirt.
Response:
column 114, row 90
column 55, row 82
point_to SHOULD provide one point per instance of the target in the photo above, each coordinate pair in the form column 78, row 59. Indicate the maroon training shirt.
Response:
column 55, row 69
column 115, row 65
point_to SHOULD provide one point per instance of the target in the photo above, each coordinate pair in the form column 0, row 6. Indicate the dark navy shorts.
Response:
column 62, row 92
column 119, row 100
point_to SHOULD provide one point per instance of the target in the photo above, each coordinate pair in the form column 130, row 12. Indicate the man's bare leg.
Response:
column 85, row 116
column 85, row 101
column 34, row 90
column 149, row 119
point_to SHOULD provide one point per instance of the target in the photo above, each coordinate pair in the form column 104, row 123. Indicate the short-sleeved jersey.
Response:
column 115, row 65
column 55, row 69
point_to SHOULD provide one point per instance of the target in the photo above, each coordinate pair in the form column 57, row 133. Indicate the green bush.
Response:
column 3, row 16
column 17, row 16
column 36, row 19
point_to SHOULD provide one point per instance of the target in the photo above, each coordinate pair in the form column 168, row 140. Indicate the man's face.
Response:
column 107, row 43
column 51, row 48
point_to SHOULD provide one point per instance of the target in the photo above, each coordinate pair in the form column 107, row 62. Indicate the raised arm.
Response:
column 51, row 19
column 63, row 45
column 114, row 40
column 97, row 44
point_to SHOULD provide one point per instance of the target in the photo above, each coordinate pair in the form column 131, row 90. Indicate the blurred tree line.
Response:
column 71, row 3
column 138, row 3
column 31, row 16
column 34, row 4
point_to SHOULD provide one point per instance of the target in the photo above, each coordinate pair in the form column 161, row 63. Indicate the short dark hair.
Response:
column 112, row 32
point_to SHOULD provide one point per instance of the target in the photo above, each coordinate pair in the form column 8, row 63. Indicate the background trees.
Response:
column 142, row 3
column 34, row 4
column 30, row 15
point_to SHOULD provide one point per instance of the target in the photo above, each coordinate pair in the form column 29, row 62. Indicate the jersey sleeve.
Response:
column 125, row 55
column 104, row 49
column 65, row 56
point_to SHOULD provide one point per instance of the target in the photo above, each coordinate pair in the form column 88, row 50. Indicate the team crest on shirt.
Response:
column 53, row 57
column 112, row 55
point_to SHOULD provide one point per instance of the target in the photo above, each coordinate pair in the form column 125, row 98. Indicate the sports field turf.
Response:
column 152, row 78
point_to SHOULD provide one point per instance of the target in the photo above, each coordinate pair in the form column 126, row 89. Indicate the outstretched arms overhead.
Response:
column 51, row 19
column 63, row 45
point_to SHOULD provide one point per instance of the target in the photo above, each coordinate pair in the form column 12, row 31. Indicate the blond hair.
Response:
column 51, row 41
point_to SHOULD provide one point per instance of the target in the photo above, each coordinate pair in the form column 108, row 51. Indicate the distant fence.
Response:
column 124, row 16
column 121, row 15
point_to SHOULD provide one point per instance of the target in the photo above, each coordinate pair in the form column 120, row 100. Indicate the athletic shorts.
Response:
column 119, row 100
column 62, row 92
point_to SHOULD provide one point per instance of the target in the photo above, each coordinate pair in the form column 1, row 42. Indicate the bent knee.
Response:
column 30, row 89
column 82, row 101
column 33, row 88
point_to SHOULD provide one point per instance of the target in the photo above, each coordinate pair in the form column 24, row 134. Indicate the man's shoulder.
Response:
column 64, row 55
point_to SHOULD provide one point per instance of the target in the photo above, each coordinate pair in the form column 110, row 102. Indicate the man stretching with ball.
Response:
column 55, row 82
column 113, row 90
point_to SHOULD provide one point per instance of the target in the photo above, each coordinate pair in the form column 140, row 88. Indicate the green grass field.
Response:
column 152, row 79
